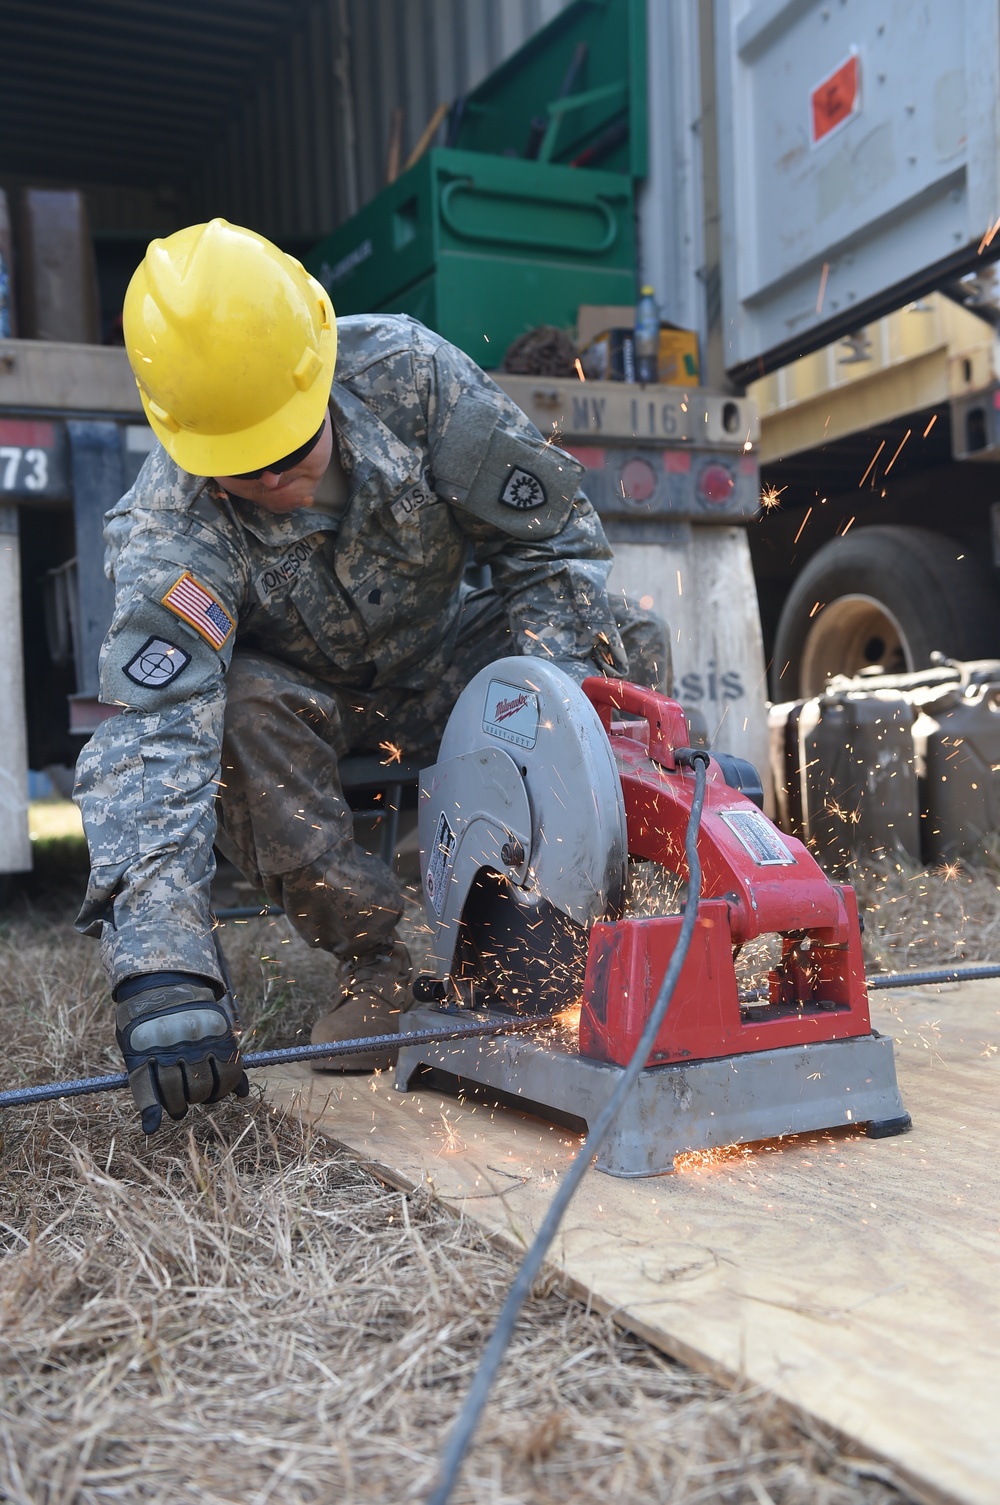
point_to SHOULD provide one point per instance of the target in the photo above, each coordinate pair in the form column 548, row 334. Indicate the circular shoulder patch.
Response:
column 523, row 491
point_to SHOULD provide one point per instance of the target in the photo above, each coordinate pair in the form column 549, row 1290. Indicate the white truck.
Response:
column 859, row 171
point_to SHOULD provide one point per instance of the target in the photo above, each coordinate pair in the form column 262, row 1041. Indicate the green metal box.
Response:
column 482, row 248
column 575, row 92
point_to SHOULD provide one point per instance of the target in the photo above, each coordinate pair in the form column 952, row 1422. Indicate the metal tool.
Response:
column 488, row 1026
column 541, row 793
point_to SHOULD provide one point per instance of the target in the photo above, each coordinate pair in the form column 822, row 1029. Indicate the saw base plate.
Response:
column 672, row 1109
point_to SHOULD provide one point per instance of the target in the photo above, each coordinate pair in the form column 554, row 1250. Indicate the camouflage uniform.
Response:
column 351, row 626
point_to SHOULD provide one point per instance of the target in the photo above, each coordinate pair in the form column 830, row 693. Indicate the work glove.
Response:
column 180, row 1047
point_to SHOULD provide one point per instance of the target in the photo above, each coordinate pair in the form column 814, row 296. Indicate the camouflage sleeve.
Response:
column 146, row 781
column 517, row 497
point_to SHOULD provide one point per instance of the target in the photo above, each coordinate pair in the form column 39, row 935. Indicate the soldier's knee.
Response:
column 341, row 898
column 261, row 693
column 250, row 690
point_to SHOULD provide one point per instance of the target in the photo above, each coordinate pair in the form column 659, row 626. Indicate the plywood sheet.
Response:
column 858, row 1279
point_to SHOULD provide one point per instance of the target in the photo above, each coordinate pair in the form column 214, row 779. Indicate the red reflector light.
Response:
column 27, row 433
column 716, row 484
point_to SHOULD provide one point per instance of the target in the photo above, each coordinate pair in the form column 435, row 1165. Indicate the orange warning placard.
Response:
column 836, row 99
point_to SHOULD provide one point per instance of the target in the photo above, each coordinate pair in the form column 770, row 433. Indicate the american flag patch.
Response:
column 192, row 602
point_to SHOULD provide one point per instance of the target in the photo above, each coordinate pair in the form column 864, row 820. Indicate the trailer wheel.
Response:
column 887, row 597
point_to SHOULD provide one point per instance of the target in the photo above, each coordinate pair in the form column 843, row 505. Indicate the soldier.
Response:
column 288, row 574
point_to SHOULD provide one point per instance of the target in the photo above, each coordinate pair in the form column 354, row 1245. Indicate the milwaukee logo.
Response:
column 507, row 708
column 510, row 713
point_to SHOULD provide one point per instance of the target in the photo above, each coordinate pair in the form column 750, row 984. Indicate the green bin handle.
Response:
column 512, row 238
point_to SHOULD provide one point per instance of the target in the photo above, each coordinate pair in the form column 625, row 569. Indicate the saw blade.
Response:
column 517, row 954
column 525, row 791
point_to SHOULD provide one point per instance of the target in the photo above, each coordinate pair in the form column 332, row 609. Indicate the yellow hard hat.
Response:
column 233, row 346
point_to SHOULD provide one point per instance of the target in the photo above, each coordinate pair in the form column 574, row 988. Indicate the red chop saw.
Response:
column 542, row 793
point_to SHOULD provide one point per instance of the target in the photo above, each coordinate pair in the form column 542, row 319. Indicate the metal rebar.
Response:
column 250, row 912
column 84, row 1086
column 905, row 979
column 924, row 979
column 22, row 1096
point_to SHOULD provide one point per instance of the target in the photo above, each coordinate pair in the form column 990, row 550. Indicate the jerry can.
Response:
column 956, row 738
column 857, row 778
column 783, row 760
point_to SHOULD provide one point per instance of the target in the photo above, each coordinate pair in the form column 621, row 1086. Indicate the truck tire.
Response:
column 886, row 596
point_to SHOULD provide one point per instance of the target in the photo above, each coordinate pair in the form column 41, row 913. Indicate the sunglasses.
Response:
column 278, row 467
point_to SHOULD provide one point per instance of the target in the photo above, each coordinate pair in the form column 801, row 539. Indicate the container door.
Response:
column 859, row 163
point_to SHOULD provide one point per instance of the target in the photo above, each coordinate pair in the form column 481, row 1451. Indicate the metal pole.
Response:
column 82, row 1087
column 906, row 979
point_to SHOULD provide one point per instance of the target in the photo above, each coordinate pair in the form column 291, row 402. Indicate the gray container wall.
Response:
column 840, row 203
column 678, row 202
column 310, row 146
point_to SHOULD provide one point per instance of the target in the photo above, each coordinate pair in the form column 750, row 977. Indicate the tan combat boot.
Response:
column 377, row 991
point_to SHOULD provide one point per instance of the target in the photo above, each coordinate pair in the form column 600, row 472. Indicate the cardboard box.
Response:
column 677, row 364
column 605, row 340
column 595, row 319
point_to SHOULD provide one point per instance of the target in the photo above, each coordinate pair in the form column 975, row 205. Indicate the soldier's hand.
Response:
column 180, row 1047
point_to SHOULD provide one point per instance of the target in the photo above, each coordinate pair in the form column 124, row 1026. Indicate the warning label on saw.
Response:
column 439, row 864
column 755, row 832
column 511, row 713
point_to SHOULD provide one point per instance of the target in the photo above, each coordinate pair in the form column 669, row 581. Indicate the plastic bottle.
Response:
column 647, row 337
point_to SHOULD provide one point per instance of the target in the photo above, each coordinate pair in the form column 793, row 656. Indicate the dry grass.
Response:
column 922, row 918
column 232, row 1312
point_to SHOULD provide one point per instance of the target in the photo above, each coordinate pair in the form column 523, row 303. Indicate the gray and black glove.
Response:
column 179, row 1045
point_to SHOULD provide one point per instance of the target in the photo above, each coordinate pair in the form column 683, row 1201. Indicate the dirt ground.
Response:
column 233, row 1312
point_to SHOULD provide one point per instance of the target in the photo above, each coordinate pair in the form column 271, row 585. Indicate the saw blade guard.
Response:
column 523, row 838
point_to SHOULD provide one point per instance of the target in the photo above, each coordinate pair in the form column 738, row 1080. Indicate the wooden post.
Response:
column 427, row 136
column 395, row 145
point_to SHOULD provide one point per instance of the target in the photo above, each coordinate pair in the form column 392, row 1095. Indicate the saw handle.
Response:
column 667, row 724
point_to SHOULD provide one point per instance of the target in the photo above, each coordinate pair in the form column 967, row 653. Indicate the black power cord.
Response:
column 468, row 1418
